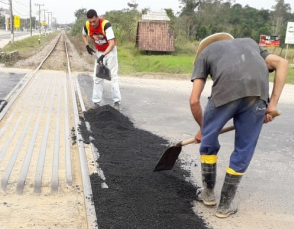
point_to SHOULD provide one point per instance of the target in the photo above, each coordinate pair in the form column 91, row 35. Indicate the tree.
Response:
column 145, row 10
column 133, row 5
column 189, row 7
column 264, row 31
column 202, row 32
column 200, row 18
column 81, row 13
column 81, row 17
column 172, row 17
column 235, row 14
column 215, row 15
column 277, row 18
column 189, row 17
column 2, row 21
column 124, row 23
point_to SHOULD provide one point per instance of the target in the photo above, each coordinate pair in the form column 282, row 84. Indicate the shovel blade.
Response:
column 168, row 158
column 103, row 72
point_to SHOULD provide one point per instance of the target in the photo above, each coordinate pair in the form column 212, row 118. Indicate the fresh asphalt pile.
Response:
column 8, row 81
column 136, row 196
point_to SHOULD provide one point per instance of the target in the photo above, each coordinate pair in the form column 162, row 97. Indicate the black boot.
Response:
column 227, row 206
column 206, row 194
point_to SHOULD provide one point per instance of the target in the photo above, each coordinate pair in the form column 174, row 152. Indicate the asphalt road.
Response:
column 16, row 35
column 5, row 36
column 8, row 80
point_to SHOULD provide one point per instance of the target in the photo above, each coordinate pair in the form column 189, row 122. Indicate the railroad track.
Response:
column 41, row 152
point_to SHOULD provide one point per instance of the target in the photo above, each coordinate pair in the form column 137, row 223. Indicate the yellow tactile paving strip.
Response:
column 38, row 159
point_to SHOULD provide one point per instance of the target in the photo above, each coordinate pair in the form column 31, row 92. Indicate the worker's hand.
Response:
column 100, row 60
column 268, row 117
column 90, row 50
column 198, row 137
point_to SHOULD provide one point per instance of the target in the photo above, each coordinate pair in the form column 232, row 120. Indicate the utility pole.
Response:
column 54, row 24
column 31, row 18
column 51, row 21
column 45, row 21
column 39, row 18
column 11, row 22
column 48, row 18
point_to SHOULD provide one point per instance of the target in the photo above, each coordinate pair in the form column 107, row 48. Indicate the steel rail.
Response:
column 28, row 157
column 41, row 159
column 9, row 167
column 32, row 88
column 55, row 164
column 87, row 189
column 67, row 137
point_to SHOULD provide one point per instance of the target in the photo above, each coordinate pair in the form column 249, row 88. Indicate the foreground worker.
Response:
column 101, row 32
column 239, row 70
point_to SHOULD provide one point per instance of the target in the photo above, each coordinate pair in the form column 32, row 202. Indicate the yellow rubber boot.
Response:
column 208, row 171
column 227, row 205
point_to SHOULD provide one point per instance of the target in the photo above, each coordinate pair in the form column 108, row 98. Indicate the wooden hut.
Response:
column 154, row 33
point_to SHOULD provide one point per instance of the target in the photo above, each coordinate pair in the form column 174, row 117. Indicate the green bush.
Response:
column 78, row 26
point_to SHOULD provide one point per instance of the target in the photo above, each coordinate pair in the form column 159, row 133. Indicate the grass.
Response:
column 132, row 61
column 29, row 45
column 290, row 78
column 135, row 62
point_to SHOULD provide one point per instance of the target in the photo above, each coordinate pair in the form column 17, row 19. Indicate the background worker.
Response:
column 239, row 70
column 101, row 32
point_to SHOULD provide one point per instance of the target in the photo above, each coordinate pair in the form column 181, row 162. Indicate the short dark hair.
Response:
column 91, row 13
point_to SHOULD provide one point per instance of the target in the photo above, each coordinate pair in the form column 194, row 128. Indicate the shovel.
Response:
column 102, row 71
column 169, row 157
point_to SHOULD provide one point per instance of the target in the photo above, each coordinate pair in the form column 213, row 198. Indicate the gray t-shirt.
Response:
column 237, row 68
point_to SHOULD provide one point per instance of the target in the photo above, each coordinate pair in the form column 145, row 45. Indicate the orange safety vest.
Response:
column 102, row 43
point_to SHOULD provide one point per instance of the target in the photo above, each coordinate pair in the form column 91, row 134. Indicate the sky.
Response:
column 63, row 10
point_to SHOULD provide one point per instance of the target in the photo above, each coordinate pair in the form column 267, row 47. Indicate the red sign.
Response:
column 269, row 41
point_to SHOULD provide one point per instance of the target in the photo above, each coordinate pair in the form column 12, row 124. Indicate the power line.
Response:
column 25, row 6
column 14, row 10
column 20, row 9
column 4, row 2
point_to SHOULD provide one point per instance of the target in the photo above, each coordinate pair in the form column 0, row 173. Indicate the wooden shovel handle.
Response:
column 226, row 129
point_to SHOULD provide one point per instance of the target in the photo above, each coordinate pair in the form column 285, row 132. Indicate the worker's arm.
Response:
column 110, row 47
column 85, row 39
column 196, row 109
column 89, row 49
column 280, row 65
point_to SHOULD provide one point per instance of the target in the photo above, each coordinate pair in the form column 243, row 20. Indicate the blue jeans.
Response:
column 248, row 116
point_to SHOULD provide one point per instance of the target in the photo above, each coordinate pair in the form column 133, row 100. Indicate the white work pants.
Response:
column 110, row 60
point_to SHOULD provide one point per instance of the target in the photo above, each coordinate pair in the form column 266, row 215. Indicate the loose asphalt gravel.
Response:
column 136, row 196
